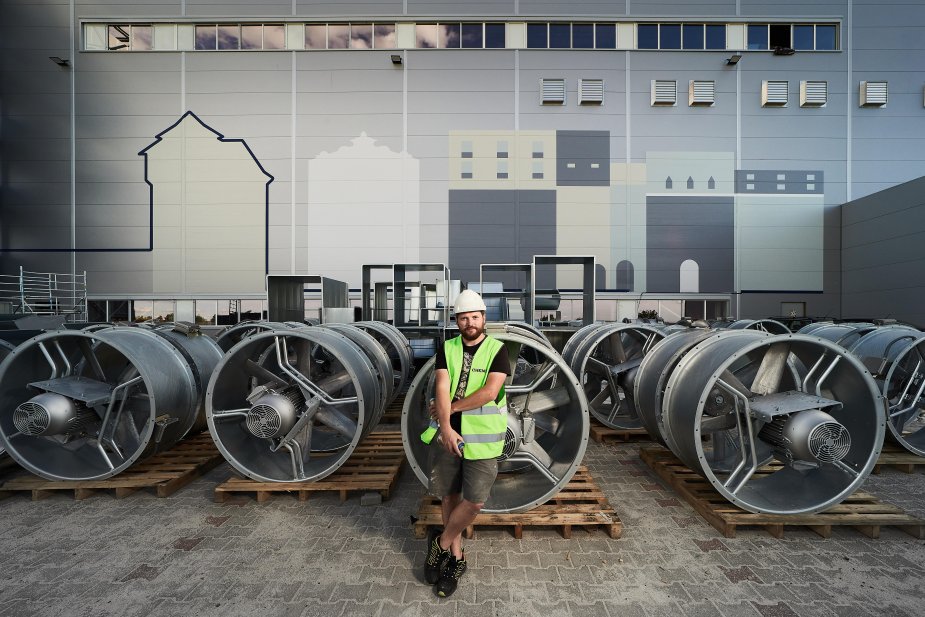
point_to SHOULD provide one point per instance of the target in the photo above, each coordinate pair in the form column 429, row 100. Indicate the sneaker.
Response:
column 451, row 575
column 437, row 558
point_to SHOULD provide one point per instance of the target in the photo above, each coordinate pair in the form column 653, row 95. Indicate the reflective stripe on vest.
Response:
column 484, row 428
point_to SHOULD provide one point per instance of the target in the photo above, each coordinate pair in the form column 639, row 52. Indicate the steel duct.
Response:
column 292, row 405
column 77, row 405
column 606, row 358
column 735, row 403
column 547, row 424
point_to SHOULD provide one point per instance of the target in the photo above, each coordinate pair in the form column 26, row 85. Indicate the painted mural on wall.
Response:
column 209, row 203
column 354, row 189
column 680, row 222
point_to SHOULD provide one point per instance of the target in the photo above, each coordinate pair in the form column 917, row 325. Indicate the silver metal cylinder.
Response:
column 114, row 396
column 606, row 360
column 547, row 425
column 724, row 391
column 895, row 355
column 251, row 392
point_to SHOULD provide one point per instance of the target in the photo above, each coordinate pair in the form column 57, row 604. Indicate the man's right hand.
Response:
column 451, row 440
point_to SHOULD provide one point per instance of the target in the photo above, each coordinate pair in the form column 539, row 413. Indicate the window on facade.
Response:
column 227, row 313
column 647, row 36
column 471, row 36
column 338, row 36
column 668, row 182
column 537, row 149
column 449, row 36
column 494, row 36
column 669, row 36
column 803, row 37
column 711, row 183
column 316, row 36
column 96, row 310
column 163, row 310
column 537, row 170
column 274, row 36
column 465, row 150
column 757, row 36
column 502, row 150
column 229, row 37
column 384, row 36
column 465, row 170
column 825, row 38
column 560, row 36
column 118, row 310
column 206, row 312
column 605, row 36
column 780, row 36
column 582, row 36
column 251, row 37
column 253, row 309
column 693, row 36
column 205, row 37
column 120, row 38
column 361, row 36
column 426, row 36
column 690, row 182
column 716, row 36
column 502, row 170
column 537, row 36
column 142, row 310
column 130, row 38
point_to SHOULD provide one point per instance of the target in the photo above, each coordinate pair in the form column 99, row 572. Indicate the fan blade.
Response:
column 771, row 369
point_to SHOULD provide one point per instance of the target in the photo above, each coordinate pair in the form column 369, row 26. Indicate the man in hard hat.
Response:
column 469, row 423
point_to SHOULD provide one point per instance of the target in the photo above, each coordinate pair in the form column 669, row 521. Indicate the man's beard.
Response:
column 466, row 337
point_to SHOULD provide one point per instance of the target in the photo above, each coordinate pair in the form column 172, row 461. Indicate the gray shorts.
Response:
column 450, row 474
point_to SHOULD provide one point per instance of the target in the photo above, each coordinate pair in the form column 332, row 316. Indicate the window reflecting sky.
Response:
column 274, row 36
column 251, row 37
column 338, row 36
column 142, row 38
column 316, row 36
column 385, row 36
column 229, row 37
column 205, row 37
column 449, row 36
column 425, row 36
column 361, row 36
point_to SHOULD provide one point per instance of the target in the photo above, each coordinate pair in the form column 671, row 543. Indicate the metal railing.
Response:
column 44, row 293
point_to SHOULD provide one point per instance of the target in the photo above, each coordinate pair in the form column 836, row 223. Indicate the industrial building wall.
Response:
column 882, row 239
column 322, row 161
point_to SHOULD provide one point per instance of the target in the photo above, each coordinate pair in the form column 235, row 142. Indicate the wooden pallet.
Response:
column 603, row 434
column 165, row 473
column 580, row 504
column 392, row 413
column 373, row 466
column 863, row 511
column 896, row 456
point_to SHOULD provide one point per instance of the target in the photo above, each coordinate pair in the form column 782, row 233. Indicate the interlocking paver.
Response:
column 136, row 556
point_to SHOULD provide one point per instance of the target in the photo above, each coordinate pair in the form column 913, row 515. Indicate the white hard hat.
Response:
column 468, row 301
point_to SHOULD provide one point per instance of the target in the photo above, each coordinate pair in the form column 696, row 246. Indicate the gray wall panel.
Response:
column 882, row 270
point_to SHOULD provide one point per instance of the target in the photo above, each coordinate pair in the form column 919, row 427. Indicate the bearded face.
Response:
column 471, row 325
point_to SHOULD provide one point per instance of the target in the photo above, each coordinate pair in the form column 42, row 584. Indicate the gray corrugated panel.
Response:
column 361, row 9
column 474, row 8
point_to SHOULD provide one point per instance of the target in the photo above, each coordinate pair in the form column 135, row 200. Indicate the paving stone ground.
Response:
column 186, row 555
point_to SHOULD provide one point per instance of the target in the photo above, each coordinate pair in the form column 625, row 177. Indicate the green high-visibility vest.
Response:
column 482, row 429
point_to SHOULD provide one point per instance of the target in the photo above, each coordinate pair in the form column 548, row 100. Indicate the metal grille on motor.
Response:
column 511, row 442
column 31, row 419
column 263, row 421
column 274, row 413
column 829, row 442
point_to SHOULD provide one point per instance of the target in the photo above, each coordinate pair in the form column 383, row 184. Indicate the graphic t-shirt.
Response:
column 500, row 364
